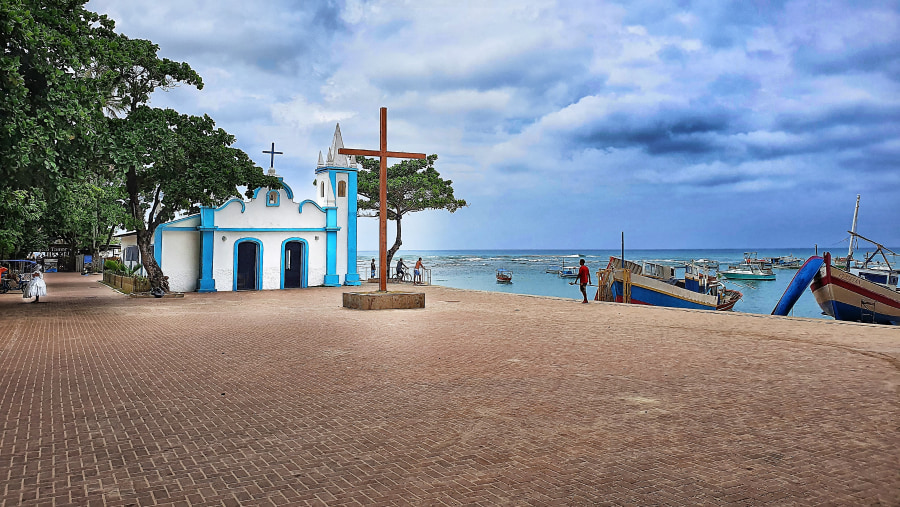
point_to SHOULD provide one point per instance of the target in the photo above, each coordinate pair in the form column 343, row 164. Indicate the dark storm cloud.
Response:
column 877, row 59
column 882, row 120
column 665, row 132
column 534, row 71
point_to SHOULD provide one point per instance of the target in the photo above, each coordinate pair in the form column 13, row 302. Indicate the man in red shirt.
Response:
column 584, row 279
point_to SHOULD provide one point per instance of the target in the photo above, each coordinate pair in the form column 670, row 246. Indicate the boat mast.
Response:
column 853, row 232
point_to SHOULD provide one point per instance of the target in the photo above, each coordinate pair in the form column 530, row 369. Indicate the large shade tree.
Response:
column 173, row 163
column 50, row 90
column 74, row 101
column 412, row 185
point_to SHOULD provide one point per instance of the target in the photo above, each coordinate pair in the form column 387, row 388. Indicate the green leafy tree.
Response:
column 173, row 163
column 169, row 163
column 21, row 213
column 86, row 213
column 412, row 185
column 49, row 100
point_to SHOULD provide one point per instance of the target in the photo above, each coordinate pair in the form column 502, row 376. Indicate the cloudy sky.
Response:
column 684, row 124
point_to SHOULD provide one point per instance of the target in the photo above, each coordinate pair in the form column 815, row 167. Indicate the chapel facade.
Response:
column 270, row 241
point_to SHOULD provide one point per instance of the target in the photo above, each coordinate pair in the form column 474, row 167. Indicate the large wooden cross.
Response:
column 383, row 155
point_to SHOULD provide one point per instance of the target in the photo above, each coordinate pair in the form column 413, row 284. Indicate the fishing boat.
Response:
column 751, row 268
column 568, row 271
column 656, row 285
column 504, row 276
column 862, row 292
column 786, row 262
column 848, row 296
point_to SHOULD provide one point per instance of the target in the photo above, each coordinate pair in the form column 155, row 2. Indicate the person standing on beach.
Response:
column 373, row 268
column 417, row 272
column 584, row 279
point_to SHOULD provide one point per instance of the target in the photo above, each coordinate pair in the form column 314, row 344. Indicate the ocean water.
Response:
column 476, row 269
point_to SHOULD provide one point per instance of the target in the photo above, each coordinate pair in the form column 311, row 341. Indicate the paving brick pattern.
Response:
column 286, row 398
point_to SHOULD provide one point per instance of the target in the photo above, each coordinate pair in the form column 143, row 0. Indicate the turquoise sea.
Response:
column 476, row 269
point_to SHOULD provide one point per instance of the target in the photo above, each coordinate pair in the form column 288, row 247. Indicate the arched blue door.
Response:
column 247, row 265
column 293, row 265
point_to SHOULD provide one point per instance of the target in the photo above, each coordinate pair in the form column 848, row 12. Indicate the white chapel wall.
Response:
column 181, row 258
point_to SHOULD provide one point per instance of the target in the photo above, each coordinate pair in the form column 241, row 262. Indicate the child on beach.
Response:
column 36, row 287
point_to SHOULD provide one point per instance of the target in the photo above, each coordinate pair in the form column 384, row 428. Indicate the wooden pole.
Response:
column 382, row 209
column 382, row 155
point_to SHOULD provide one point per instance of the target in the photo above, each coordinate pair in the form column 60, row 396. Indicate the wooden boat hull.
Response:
column 642, row 290
column 845, row 296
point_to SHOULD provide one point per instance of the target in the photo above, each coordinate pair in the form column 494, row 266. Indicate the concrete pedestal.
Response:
column 384, row 300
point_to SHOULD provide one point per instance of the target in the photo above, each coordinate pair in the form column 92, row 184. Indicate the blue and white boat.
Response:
column 656, row 285
column 750, row 269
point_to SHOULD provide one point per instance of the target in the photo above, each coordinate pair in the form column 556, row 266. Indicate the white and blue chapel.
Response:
column 270, row 241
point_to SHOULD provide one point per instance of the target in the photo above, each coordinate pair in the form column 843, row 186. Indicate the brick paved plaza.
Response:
column 286, row 398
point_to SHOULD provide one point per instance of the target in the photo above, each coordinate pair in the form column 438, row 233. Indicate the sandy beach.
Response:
column 286, row 398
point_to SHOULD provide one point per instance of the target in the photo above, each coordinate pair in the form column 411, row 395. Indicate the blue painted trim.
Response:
column 352, row 277
column 284, row 186
column 234, row 199
column 206, row 283
column 322, row 169
column 314, row 203
column 332, row 176
column 332, row 279
column 259, row 266
column 304, row 283
column 274, row 229
column 180, row 228
column 277, row 195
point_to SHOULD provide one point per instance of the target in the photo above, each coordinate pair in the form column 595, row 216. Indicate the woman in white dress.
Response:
column 36, row 287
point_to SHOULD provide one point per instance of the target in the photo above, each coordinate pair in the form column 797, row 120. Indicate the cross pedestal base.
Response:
column 384, row 300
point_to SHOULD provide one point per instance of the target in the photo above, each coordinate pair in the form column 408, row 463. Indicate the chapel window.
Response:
column 273, row 198
column 322, row 189
column 342, row 189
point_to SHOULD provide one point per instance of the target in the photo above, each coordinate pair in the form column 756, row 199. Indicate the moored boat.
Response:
column 846, row 296
column 786, row 262
column 504, row 276
column 750, row 269
column 568, row 271
column 656, row 285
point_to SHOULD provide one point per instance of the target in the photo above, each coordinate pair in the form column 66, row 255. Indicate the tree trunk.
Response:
column 154, row 272
column 397, row 243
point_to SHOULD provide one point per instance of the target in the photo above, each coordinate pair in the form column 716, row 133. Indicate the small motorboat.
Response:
column 750, row 269
column 568, row 271
column 504, row 276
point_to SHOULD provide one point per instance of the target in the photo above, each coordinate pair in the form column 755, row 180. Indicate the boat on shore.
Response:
column 750, row 269
column 656, row 285
column 848, row 296
column 852, row 291
column 504, row 276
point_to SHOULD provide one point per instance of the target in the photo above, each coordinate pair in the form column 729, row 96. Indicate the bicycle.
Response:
column 403, row 276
